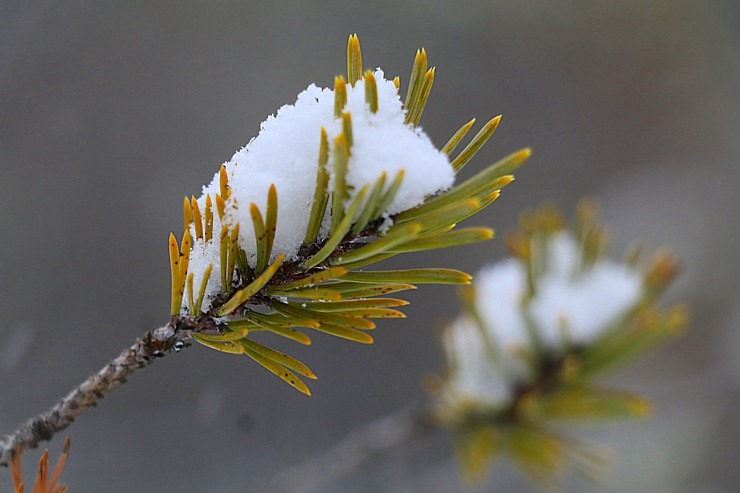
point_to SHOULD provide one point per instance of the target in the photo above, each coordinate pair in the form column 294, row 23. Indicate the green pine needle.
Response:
column 388, row 195
column 321, row 192
column 457, row 137
column 340, row 192
column 458, row 237
column 490, row 179
column 370, row 205
column 371, row 91
column 295, row 309
column 339, row 233
column 396, row 236
column 367, row 303
column 354, row 60
column 241, row 296
column 340, row 95
column 476, row 144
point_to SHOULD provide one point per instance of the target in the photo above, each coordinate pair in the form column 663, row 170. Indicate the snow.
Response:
column 203, row 254
column 571, row 305
column 473, row 376
column 285, row 153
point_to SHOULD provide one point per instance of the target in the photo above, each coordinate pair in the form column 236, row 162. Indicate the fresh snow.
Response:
column 285, row 153
column 570, row 305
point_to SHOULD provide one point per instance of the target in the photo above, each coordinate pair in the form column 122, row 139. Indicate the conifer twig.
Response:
column 145, row 350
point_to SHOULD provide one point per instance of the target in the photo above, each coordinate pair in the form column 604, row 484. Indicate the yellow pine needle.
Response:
column 587, row 214
column 187, row 213
column 589, row 403
column 295, row 309
column 279, row 319
column 315, row 278
column 357, row 290
column 397, row 83
column 321, row 195
column 446, row 239
column 283, row 373
column 475, row 448
column 372, row 203
column 416, row 276
column 339, row 233
column 663, row 269
column 243, row 295
column 209, row 218
column 396, row 236
column 220, row 207
column 260, row 236
column 223, row 182
column 174, row 275
column 374, row 313
column 233, row 335
column 415, row 82
column 230, row 347
column 347, row 130
column 339, row 194
column 311, row 293
column 423, row 96
column 443, row 218
column 346, row 333
column 457, row 137
column 354, row 60
column 224, row 256
column 340, row 306
column 280, row 358
column 271, row 217
column 202, row 291
column 184, row 261
column 287, row 332
column 389, row 195
column 196, row 217
column 231, row 260
column 369, row 261
column 476, row 144
column 536, row 451
column 493, row 177
column 371, row 91
column 191, row 295
column 340, row 95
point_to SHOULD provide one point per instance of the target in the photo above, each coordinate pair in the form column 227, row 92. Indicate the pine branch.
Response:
column 153, row 345
column 375, row 439
column 270, row 284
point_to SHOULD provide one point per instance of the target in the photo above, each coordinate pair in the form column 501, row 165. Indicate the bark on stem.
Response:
column 153, row 345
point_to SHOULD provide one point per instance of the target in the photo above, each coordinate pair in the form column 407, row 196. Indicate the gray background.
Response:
column 110, row 112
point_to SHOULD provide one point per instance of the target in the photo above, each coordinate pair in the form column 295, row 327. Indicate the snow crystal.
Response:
column 285, row 153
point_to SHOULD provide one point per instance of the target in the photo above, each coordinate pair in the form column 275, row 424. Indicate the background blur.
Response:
column 110, row 112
